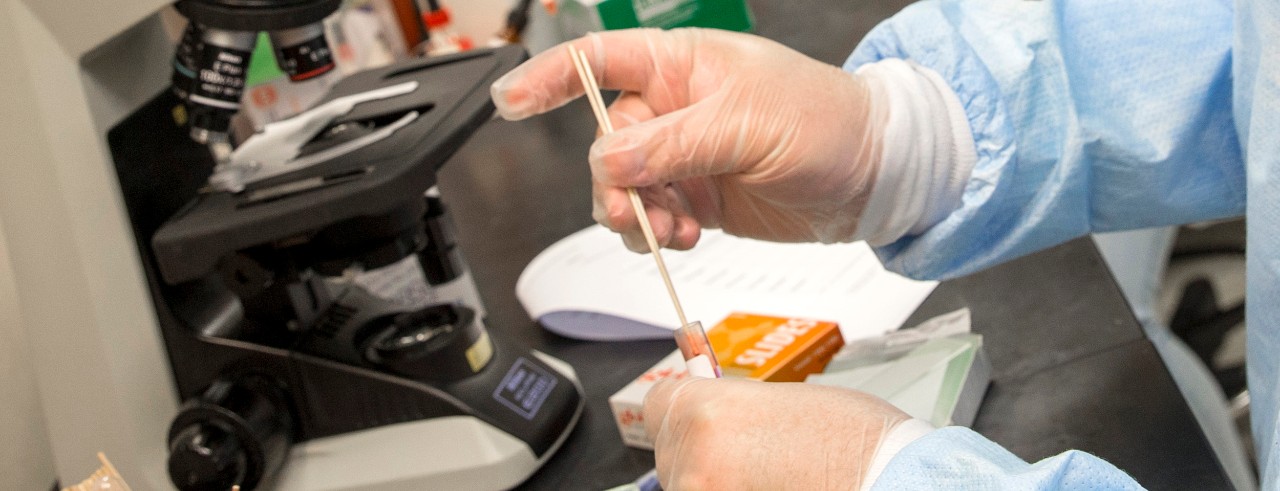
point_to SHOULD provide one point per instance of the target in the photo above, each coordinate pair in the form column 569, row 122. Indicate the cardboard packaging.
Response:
column 774, row 349
column 732, row 15
column 750, row 346
column 628, row 403
column 937, row 371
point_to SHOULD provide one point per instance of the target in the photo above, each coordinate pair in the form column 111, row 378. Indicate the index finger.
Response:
column 623, row 60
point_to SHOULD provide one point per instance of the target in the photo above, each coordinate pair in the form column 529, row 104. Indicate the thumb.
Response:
column 675, row 146
column 660, row 400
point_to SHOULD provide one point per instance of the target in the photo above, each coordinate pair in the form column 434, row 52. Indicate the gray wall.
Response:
column 28, row 462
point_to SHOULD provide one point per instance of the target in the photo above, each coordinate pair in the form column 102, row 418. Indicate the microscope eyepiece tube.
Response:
column 220, row 73
column 302, row 52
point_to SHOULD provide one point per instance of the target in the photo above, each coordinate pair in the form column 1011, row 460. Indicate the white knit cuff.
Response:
column 898, row 438
column 927, row 154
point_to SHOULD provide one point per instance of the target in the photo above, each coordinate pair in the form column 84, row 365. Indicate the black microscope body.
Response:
column 269, row 341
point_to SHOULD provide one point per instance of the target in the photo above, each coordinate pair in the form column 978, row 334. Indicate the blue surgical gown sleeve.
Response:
column 958, row 458
column 1087, row 116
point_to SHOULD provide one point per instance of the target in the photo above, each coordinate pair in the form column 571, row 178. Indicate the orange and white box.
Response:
column 774, row 349
column 628, row 403
column 751, row 346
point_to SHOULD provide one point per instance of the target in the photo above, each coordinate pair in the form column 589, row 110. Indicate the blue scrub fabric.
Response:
column 1093, row 116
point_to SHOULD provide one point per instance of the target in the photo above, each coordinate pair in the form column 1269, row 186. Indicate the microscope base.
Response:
column 456, row 452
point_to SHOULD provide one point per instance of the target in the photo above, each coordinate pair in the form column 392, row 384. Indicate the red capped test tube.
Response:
column 696, row 348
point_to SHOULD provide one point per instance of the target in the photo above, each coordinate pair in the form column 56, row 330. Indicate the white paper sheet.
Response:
column 589, row 286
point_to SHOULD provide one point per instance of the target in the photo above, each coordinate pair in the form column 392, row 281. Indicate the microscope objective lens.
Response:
column 220, row 75
column 184, row 60
column 302, row 52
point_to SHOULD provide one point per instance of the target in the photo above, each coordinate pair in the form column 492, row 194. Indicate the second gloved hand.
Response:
column 741, row 434
column 718, row 130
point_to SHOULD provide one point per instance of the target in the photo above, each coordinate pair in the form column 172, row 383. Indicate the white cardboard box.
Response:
column 628, row 404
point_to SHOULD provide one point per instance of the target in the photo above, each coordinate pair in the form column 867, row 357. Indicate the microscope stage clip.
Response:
column 273, row 151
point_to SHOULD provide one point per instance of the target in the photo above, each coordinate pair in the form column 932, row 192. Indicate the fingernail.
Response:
column 678, row 230
column 638, row 246
column 512, row 104
column 599, row 212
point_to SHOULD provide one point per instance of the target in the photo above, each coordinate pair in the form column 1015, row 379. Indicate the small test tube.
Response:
column 696, row 348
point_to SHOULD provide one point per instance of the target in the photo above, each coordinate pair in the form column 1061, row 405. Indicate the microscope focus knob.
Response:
column 234, row 433
column 205, row 457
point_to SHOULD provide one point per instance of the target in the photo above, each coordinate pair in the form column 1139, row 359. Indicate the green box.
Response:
column 732, row 15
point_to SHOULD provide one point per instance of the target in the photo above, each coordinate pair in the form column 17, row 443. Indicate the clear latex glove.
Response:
column 717, row 130
column 742, row 434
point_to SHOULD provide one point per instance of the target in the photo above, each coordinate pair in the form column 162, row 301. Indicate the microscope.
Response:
column 316, row 323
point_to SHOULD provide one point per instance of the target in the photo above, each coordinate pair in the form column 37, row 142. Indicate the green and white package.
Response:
column 581, row 16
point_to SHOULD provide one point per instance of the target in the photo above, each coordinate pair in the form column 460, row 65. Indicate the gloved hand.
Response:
column 732, row 131
column 718, row 129
column 742, row 434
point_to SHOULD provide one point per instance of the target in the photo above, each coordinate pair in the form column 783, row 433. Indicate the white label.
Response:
column 700, row 366
column 404, row 285
column 648, row 9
